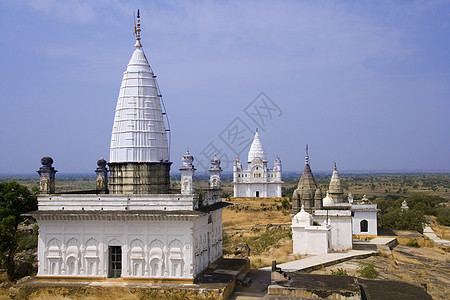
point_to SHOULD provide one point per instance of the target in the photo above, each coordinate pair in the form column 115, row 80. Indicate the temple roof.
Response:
column 307, row 180
column 256, row 149
column 139, row 133
column 335, row 182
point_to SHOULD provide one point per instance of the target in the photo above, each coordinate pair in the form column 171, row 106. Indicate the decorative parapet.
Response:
column 164, row 202
column 212, row 196
column 364, row 207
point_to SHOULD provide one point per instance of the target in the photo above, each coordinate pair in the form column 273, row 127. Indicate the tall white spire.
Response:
column 138, row 133
column 256, row 149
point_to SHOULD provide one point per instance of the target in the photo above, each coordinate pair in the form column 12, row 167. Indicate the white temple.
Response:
column 257, row 180
column 337, row 221
column 132, row 227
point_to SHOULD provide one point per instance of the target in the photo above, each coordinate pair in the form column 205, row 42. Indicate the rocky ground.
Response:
column 428, row 267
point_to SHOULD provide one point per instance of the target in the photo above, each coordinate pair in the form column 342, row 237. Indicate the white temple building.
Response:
column 337, row 221
column 257, row 180
column 132, row 227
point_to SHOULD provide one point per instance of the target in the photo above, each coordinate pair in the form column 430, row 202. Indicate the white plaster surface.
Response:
column 341, row 227
column 139, row 133
column 367, row 212
column 161, row 249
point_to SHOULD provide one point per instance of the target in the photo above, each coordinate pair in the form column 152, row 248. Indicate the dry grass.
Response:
column 248, row 212
column 249, row 221
column 280, row 251
column 406, row 277
column 441, row 231
column 94, row 294
column 404, row 259
column 4, row 294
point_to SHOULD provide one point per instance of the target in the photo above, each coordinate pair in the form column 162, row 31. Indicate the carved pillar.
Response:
column 47, row 176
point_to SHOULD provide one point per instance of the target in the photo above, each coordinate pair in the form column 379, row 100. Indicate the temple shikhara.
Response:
column 320, row 226
column 132, row 225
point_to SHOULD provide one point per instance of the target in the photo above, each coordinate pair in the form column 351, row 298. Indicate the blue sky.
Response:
column 364, row 83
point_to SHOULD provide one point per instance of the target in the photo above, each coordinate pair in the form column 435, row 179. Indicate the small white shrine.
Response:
column 257, row 180
column 131, row 227
column 341, row 219
column 309, row 239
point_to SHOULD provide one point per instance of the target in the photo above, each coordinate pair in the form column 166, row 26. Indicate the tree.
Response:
column 15, row 200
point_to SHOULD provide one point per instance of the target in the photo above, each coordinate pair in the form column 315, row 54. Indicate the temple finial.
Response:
column 137, row 31
column 335, row 168
column 307, row 156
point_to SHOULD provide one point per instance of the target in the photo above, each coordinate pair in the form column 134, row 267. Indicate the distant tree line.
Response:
column 391, row 216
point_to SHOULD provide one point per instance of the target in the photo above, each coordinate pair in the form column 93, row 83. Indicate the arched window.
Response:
column 257, row 194
column 364, row 225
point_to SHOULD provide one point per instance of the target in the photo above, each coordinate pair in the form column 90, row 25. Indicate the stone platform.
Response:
column 309, row 286
column 319, row 261
column 218, row 282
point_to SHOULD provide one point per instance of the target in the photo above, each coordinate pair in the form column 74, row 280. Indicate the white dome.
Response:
column 256, row 150
column 328, row 201
column 302, row 218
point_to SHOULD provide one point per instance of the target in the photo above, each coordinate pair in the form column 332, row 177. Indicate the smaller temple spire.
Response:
column 137, row 31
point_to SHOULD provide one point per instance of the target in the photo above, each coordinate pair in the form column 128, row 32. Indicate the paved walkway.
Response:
column 383, row 240
column 322, row 260
column 428, row 232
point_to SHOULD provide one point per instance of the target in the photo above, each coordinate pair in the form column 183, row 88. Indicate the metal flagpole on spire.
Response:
column 307, row 156
column 137, row 30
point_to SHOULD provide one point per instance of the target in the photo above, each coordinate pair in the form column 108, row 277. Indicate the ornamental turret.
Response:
column 102, row 177
column 215, row 173
column 47, row 176
column 237, row 167
column 276, row 170
column 187, row 171
column 139, row 153
column 335, row 189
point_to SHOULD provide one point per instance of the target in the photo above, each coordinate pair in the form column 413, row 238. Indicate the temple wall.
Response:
column 341, row 228
column 370, row 217
column 155, row 249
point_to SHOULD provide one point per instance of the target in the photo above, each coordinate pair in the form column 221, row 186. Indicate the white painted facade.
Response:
column 257, row 180
column 365, row 219
column 165, row 236
column 152, row 245
column 308, row 239
column 341, row 227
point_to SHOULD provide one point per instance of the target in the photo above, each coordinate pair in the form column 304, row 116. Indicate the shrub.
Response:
column 285, row 203
column 259, row 243
column 27, row 240
column 339, row 272
column 413, row 243
column 367, row 270
column 443, row 215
